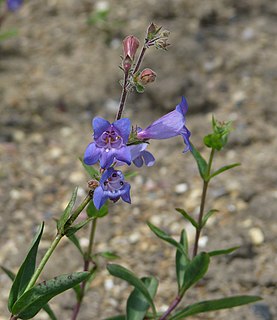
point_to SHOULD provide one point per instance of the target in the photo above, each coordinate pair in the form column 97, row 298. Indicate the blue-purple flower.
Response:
column 109, row 143
column 14, row 5
column 170, row 125
column 112, row 186
column 140, row 155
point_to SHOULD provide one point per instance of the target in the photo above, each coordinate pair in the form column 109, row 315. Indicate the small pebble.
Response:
column 181, row 188
column 256, row 236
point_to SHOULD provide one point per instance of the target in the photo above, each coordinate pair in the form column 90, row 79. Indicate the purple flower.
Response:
column 140, row 155
column 14, row 5
column 170, row 125
column 109, row 143
column 112, row 186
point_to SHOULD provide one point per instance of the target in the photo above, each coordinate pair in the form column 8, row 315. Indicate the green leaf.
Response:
column 30, row 303
column 25, row 271
column 137, row 305
column 181, row 260
column 224, row 251
column 164, row 236
column 71, row 230
column 8, row 272
column 67, row 211
column 223, row 169
column 78, row 292
column 50, row 312
column 94, row 213
column 213, row 305
column 188, row 217
column 201, row 162
column 139, row 88
column 207, row 216
column 195, row 270
column 93, row 173
column 120, row 317
column 108, row 255
column 73, row 238
column 46, row 308
column 123, row 273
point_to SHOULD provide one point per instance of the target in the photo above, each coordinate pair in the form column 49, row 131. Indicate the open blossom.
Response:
column 109, row 143
column 112, row 186
column 170, row 125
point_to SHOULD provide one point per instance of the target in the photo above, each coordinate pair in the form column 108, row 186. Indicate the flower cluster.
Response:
column 115, row 144
column 118, row 143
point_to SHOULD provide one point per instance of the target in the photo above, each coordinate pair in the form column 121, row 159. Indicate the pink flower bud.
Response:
column 130, row 46
column 147, row 76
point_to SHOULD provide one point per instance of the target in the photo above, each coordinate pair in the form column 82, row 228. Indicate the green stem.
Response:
column 56, row 241
column 44, row 261
column 87, row 259
column 202, row 205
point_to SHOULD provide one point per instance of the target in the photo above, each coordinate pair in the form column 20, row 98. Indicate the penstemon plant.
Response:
column 115, row 145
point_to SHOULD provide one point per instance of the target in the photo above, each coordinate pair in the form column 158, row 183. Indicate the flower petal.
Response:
column 92, row 154
column 123, row 154
column 123, row 126
column 126, row 194
column 107, row 158
column 99, row 126
column 185, row 133
column 148, row 158
column 138, row 162
column 99, row 197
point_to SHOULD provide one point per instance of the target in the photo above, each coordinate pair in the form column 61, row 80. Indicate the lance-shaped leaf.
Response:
column 201, row 163
column 125, row 274
column 67, row 211
column 92, row 212
column 71, row 230
column 164, row 236
column 46, row 308
column 73, row 238
column 181, row 260
column 25, row 271
column 223, row 169
column 207, row 216
column 30, row 303
column 213, row 305
column 137, row 305
column 188, row 217
column 195, row 270
column 224, row 251
column 93, row 173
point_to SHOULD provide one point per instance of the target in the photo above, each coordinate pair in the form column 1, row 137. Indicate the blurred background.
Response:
column 61, row 69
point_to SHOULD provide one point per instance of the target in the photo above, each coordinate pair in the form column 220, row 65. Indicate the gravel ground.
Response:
column 59, row 72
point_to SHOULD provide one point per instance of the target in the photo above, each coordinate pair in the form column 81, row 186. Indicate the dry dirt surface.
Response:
column 59, row 72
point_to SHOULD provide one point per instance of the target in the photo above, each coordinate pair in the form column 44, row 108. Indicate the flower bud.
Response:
column 152, row 31
column 130, row 46
column 147, row 76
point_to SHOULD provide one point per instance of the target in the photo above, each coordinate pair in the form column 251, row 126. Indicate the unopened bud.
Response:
column 127, row 63
column 147, row 76
column 151, row 31
column 130, row 46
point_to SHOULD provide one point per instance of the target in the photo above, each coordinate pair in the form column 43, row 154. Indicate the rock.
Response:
column 256, row 236
column 181, row 188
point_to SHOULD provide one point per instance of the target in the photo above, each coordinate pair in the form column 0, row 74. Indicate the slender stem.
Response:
column 202, row 205
column 44, row 261
column 123, row 97
column 125, row 90
column 87, row 259
column 140, row 58
column 173, row 305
